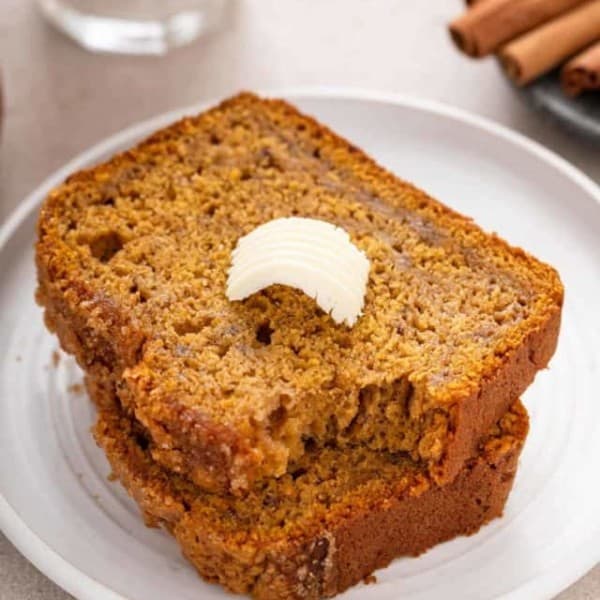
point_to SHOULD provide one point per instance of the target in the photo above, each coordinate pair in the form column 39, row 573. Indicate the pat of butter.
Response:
column 311, row 255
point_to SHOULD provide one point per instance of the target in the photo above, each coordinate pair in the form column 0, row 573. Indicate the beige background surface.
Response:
column 59, row 100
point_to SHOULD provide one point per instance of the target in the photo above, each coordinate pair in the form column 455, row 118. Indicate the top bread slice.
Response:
column 132, row 260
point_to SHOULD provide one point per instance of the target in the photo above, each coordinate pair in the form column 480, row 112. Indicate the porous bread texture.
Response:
column 132, row 258
column 317, row 531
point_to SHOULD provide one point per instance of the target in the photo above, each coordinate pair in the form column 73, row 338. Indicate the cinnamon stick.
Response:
column 490, row 23
column 535, row 53
column 582, row 73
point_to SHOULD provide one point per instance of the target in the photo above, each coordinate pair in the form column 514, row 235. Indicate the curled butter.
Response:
column 311, row 255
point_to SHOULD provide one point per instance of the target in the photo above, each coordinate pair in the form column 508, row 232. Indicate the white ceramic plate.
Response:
column 82, row 531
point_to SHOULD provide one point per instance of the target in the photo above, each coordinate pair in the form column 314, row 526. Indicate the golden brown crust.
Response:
column 491, row 400
column 444, row 381
column 362, row 530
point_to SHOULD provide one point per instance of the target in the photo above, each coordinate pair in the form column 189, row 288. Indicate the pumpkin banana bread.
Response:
column 317, row 531
column 132, row 259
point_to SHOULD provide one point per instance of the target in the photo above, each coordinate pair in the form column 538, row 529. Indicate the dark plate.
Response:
column 580, row 115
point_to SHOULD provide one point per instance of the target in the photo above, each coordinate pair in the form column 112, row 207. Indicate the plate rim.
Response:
column 82, row 585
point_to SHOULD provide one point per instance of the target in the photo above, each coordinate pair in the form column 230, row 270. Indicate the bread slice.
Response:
column 315, row 532
column 132, row 259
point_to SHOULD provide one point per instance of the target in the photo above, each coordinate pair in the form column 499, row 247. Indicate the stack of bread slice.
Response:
column 288, row 454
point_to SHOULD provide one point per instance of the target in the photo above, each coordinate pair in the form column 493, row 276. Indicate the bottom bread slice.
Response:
column 324, row 527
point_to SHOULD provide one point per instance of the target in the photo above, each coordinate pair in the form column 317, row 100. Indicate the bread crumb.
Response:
column 370, row 579
column 76, row 388
column 55, row 358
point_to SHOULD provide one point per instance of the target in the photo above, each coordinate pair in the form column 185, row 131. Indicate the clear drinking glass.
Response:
column 134, row 26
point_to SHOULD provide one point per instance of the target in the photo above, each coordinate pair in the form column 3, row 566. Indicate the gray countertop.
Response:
column 59, row 100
